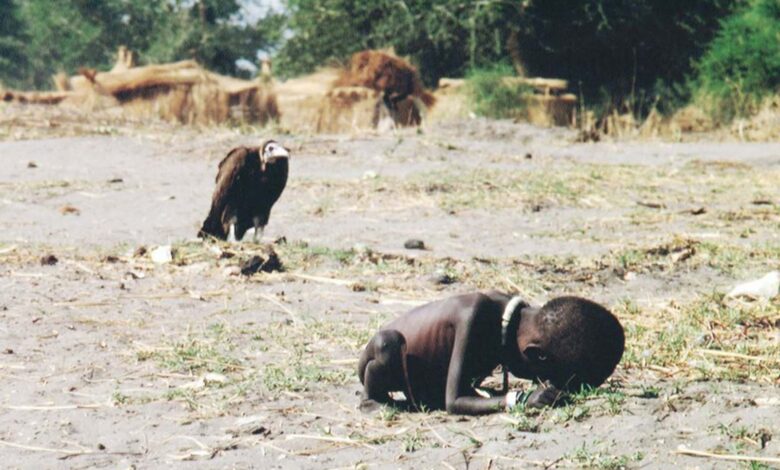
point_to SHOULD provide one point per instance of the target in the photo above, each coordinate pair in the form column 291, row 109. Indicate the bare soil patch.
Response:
column 110, row 360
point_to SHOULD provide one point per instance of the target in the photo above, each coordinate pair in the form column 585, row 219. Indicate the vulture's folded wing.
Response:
column 229, row 177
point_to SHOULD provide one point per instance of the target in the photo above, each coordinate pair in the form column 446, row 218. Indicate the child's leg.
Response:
column 382, row 369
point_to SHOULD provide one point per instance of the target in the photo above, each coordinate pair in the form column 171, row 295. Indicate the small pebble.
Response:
column 32, row 165
column 49, row 260
column 68, row 209
column 252, row 265
column 440, row 277
column 414, row 244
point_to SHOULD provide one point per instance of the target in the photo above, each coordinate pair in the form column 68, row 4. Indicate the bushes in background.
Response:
column 492, row 96
column 742, row 64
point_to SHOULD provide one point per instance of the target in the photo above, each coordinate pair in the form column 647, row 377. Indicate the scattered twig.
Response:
column 713, row 352
column 538, row 463
column 651, row 205
column 437, row 435
column 53, row 407
column 68, row 452
column 9, row 249
column 80, row 267
column 293, row 315
column 324, row 280
column 738, row 457
column 444, row 462
column 340, row 440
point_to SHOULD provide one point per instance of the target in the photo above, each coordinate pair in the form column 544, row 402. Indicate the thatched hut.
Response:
column 373, row 85
column 182, row 91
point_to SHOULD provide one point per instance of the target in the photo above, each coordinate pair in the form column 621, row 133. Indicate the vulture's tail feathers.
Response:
column 212, row 227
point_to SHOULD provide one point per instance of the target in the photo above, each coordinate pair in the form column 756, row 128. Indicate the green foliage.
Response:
column 618, row 53
column 615, row 53
column 69, row 34
column 742, row 64
column 493, row 95
column 12, row 38
column 444, row 37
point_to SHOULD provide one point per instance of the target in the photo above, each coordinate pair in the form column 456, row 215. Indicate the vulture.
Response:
column 249, row 181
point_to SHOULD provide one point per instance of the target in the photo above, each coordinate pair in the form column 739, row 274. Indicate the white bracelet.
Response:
column 510, row 399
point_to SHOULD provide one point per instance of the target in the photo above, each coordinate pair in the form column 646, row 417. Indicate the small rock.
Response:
column 370, row 175
column 414, row 244
column 528, row 156
column 162, row 254
column 8, row 351
column 214, row 378
column 252, row 265
column 32, row 164
column 281, row 241
column 68, row 209
column 140, row 251
column 49, row 260
column 116, row 180
column 269, row 263
column 250, row 425
column 111, row 259
column 101, row 446
column 765, row 288
column 358, row 287
column 441, row 277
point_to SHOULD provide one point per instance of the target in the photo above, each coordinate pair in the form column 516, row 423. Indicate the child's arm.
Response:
column 460, row 397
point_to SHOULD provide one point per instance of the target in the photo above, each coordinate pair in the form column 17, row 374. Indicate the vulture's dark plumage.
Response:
column 249, row 181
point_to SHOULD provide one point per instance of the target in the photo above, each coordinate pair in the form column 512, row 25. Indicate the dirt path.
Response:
column 109, row 360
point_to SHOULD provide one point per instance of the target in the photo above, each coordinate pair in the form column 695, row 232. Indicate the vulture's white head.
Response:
column 272, row 151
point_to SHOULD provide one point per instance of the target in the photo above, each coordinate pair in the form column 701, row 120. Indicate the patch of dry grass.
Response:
column 673, row 192
column 709, row 338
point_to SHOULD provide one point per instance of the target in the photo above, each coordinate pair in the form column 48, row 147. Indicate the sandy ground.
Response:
column 109, row 360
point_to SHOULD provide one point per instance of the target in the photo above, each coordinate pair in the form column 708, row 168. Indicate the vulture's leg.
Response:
column 231, row 238
column 259, row 229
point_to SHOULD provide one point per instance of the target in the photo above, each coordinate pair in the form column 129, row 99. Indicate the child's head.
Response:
column 571, row 342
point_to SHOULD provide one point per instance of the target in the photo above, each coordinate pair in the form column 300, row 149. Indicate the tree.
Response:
column 13, row 63
column 742, row 64
column 618, row 51
column 611, row 51
column 444, row 37
column 69, row 34
column 214, row 34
